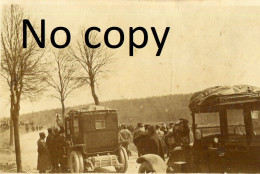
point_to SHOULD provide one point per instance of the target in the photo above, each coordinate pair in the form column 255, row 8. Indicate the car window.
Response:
column 100, row 124
column 68, row 127
column 255, row 115
column 76, row 126
column 207, row 124
column 235, row 119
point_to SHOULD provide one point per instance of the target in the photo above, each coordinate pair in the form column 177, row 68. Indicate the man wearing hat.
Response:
column 58, row 143
column 49, row 142
column 182, row 133
column 137, row 138
column 125, row 138
column 43, row 154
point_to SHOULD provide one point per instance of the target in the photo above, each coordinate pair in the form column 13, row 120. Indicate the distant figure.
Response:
column 163, row 129
column 146, row 126
column 60, row 124
column 27, row 128
column 169, row 139
column 131, row 128
column 59, row 120
column 43, row 154
column 153, row 144
column 58, row 143
column 33, row 128
column 158, row 131
column 49, row 142
column 125, row 138
column 181, row 133
column 137, row 138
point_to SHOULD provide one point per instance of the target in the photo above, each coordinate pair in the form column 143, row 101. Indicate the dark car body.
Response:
column 226, row 131
column 92, row 133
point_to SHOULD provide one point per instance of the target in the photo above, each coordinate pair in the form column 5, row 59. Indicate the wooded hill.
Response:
column 146, row 110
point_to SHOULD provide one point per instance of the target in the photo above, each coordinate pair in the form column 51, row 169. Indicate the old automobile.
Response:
column 92, row 137
column 226, row 131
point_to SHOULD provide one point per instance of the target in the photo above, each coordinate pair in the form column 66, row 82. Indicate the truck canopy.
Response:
column 207, row 100
column 91, row 110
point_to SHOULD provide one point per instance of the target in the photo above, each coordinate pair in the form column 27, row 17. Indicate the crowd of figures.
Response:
column 28, row 125
column 156, row 139
column 33, row 128
column 5, row 124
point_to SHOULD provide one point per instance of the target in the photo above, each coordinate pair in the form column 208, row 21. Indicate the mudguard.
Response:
column 157, row 163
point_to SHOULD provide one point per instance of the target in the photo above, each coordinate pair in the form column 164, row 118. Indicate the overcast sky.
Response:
column 209, row 43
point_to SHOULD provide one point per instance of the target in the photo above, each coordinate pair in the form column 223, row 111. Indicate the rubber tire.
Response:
column 81, row 163
column 145, row 167
column 123, row 159
column 74, row 167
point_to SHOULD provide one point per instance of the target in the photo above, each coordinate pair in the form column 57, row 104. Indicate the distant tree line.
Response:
column 148, row 110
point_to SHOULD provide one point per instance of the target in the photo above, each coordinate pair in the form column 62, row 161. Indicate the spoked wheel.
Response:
column 145, row 167
column 123, row 159
column 76, row 162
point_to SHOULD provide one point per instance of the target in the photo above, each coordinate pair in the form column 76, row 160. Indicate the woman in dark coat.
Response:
column 43, row 155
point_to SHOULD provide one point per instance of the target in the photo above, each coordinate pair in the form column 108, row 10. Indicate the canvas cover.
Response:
column 223, row 94
column 91, row 108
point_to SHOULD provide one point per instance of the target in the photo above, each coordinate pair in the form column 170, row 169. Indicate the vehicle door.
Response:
column 236, row 147
column 207, row 133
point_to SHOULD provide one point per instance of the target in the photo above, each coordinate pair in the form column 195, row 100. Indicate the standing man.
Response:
column 58, row 143
column 49, row 141
column 43, row 154
column 137, row 138
column 169, row 139
column 153, row 144
column 125, row 138
column 158, row 131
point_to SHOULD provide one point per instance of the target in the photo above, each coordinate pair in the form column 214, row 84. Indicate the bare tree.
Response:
column 93, row 61
column 23, row 69
column 63, row 77
column 11, row 139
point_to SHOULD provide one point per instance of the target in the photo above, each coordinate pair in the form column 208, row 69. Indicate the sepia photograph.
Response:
column 130, row 86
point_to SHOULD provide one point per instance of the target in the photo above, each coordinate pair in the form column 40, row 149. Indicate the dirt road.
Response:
column 29, row 156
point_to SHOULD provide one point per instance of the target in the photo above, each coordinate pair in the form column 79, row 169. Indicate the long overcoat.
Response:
column 153, row 144
column 43, row 156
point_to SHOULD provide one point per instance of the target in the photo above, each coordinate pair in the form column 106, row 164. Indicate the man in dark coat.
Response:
column 58, row 148
column 153, row 144
column 137, row 138
column 43, row 155
column 49, row 143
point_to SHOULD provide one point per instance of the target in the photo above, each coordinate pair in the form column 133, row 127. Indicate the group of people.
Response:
column 156, row 139
column 27, row 125
column 33, row 128
column 50, row 152
column 4, row 124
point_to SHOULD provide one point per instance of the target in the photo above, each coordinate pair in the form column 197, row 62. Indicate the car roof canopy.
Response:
column 211, row 98
column 92, row 109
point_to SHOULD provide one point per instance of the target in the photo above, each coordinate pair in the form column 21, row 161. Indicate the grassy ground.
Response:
column 7, row 160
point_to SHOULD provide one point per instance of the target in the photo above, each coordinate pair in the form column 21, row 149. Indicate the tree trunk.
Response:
column 17, row 140
column 11, row 141
column 63, row 111
column 92, row 85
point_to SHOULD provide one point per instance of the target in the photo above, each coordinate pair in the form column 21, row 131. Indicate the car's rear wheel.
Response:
column 76, row 162
column 123, row 159
column 145, row 167
column 81, row 163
